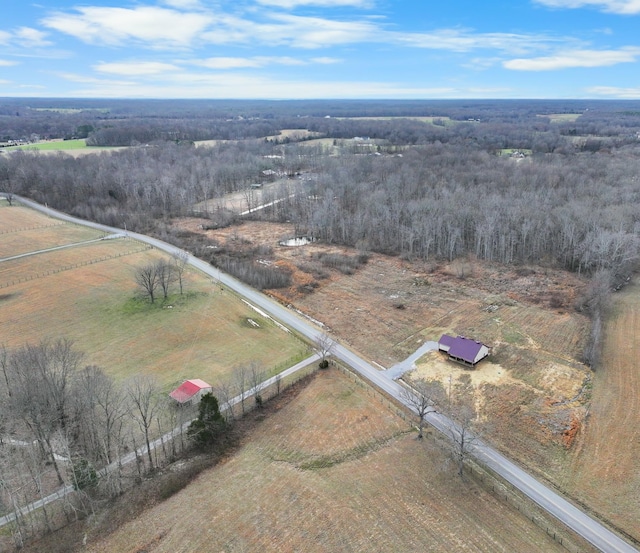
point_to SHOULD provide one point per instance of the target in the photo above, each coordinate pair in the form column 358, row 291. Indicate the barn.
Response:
column 463, row 350
column 190, row 391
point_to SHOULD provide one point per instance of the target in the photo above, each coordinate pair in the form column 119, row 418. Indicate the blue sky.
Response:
column 299, row 49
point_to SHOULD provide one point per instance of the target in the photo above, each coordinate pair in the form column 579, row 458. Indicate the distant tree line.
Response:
column 578, row 211
column 503, row 124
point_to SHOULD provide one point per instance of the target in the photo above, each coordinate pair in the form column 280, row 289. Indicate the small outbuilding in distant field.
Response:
column 190, row 391
column 463, row 350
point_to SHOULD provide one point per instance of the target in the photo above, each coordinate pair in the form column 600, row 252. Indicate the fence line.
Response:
column 71, row 267
column 31, row 228
column 504, row 491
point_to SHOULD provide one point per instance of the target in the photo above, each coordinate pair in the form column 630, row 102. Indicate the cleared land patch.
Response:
column 331, row 471
column 562, row 117
column 388, row 307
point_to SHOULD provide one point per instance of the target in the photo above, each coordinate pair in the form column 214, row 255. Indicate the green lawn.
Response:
column 53, row 145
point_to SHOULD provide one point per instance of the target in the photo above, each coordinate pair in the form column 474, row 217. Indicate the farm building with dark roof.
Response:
column 463, row 350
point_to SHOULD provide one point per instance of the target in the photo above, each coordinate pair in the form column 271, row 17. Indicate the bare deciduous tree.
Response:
column 142, row 391
column 257, row 377
column 166, row 276
column 465, row 430
column 224, row 394
column 241, row 377
column 41, row 379
column 325, row 345
column 180, row 260
column 148, row 280
column 424, row 397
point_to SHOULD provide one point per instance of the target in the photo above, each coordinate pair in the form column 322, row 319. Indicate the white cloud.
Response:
column 615, row 92
column 7, row 63
column 258, row 61
column 227, row 63
column 5, row 37
column 206, row 85
column 624, row 7
column 457, row 40
column 574, row 58
column 30, row 38
column 292, row 30
column 239, row 63
column 135, row 68
column 290, row 4
column 326, row 60
column 183, row 4
column 157, row 27
column 85, row 79
column 163, row 28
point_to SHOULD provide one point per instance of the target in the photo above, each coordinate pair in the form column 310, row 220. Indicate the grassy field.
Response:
column 562, row 117
column 74, row 148
column 53, row 145
column 88, row 293
column 333, row 470
column 605, row 464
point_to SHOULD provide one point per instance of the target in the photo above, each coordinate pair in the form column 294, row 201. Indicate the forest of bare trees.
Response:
column 576, row 210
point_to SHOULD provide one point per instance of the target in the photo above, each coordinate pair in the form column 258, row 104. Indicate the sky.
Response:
column 320, row 49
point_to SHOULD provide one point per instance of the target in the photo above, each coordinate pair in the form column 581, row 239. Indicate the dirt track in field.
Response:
column 606, row 463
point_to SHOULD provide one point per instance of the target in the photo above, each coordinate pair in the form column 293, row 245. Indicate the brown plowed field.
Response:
column 334, row 470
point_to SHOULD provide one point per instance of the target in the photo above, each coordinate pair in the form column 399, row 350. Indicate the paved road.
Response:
column 589, row 528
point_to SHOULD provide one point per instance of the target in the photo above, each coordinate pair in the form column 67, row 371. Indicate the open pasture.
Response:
column 49, row 262
column 561, row 117
column 424, row 119
column 332, row 470
column 53, row 145
column 605, row 464
column 17, row 219
column 41, row 238
column 88, row 294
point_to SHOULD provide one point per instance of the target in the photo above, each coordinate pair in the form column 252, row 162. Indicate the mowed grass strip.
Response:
column 203, row 334
column 31, row 240
column 397, row 494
